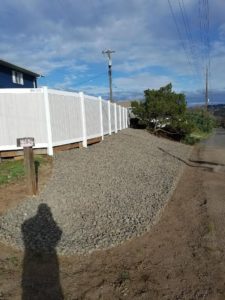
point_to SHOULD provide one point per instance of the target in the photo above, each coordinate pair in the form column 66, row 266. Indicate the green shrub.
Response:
column 164, row 113
column 201, row 121
column 190, row 140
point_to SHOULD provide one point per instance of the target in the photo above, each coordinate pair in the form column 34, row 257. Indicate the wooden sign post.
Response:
column 27, row 143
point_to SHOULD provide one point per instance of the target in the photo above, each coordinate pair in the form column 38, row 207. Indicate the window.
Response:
column 17, row 77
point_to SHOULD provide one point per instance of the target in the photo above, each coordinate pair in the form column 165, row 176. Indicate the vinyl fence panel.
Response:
column 112, row 117
column 55, row 117
column 92, row 112
column 118, row 117
column 65, row 115
column 22, row 114
column 105, row 117
column 123, row 117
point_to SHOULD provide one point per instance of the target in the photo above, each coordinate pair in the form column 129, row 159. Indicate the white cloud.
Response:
column 140, row 82
column 68, row 36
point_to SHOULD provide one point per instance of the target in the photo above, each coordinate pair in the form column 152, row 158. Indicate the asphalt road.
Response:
column 211, row 154
column 217, row 139
column 212, row 150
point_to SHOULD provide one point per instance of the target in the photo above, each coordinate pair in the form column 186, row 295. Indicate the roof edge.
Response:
column 16, row 67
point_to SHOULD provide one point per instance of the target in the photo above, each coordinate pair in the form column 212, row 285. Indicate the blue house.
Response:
column 12, row 76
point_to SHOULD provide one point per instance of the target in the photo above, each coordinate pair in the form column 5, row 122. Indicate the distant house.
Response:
column 133, row 120
column 12, row 76
column 126, row 104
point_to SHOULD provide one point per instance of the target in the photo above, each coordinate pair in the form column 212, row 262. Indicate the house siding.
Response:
column 6, row 79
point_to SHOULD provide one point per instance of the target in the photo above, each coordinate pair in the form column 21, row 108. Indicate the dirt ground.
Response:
column 181, row 257
column 13, row 193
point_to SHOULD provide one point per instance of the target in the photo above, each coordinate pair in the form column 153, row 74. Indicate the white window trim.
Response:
column 13, row 76
column 17, row 77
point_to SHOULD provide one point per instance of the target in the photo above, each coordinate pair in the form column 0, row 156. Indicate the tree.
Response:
column 163, row 110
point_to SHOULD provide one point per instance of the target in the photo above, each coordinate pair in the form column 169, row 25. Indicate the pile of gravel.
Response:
column 99, row 196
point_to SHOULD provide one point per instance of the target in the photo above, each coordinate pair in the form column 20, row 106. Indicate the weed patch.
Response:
column 12, row 170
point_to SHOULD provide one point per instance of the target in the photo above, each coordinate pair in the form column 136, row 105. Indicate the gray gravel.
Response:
column 100, row 196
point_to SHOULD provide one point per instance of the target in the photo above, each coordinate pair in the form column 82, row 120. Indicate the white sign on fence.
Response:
column 25, row 142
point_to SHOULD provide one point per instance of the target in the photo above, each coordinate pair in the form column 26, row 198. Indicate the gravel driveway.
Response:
column 100, row 196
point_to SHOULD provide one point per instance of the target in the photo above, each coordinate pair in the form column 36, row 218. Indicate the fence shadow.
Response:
column 40, row 278
column 206, row 162
column 185, row 162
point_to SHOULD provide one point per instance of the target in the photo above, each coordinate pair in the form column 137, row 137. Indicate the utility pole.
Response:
column 206, row 90
column 108, row 53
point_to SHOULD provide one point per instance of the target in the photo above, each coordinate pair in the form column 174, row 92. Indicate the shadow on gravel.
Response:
column 40, row 278
column 185, row 162
column 206, row 162
column 36, row 169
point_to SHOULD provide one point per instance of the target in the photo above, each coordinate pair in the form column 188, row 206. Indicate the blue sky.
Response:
column 64, row 39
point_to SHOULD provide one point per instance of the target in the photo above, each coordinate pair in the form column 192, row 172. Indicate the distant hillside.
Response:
column 217, row 110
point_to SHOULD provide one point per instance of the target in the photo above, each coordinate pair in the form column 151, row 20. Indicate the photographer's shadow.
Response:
column 40, row 279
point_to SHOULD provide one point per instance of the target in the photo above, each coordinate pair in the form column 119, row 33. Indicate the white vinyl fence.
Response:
column 55, row 117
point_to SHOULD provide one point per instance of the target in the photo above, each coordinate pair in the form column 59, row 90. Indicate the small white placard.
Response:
column 25, row 142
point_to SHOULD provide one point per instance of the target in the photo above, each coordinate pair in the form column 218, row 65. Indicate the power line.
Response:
column 190, row 40
column 180, row 36
column 204, row 24
column 92, row 78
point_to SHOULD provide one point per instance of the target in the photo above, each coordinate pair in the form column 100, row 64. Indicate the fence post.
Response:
column 83, row 118
column 120, row 117
column 101, row 119
column 126, row 118
column 30, row 170
column 123, row 117
column 115, row 117
column 48, row 121
column 109, row 118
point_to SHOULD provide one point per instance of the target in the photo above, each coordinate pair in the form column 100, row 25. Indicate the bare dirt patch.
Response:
column 13, row 193
column 182, row 257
